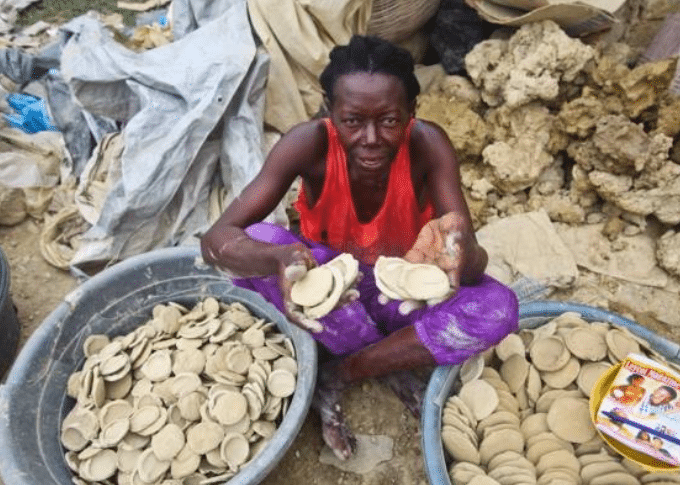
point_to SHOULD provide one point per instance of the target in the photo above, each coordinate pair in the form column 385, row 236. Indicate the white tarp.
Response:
column 207, row 85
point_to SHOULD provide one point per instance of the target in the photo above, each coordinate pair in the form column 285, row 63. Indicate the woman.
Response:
column 375, row 181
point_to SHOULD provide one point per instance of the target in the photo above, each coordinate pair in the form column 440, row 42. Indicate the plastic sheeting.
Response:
column 299, row 35
column 171, row 100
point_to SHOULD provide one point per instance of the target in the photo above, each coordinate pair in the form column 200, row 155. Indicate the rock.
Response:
column 668, row 252
column 371, row 450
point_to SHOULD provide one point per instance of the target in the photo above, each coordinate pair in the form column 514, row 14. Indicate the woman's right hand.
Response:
column 294, row 262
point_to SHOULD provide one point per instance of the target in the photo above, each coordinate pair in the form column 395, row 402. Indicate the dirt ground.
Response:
column 37, row 288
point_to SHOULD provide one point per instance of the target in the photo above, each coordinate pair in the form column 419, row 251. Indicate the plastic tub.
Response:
column 33, row 401
column 531, row 315
column 9, row 324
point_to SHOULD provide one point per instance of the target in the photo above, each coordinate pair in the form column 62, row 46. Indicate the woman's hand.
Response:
column 440, row 242
column 294, row 262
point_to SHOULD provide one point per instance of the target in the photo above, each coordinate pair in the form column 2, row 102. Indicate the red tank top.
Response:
column 333, row 220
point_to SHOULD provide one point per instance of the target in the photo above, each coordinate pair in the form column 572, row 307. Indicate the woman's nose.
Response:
column 370, row 133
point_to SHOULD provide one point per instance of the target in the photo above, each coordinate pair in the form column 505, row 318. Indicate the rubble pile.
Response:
column 547, row 122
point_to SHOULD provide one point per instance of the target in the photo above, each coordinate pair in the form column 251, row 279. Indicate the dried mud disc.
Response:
column 549, row 353
column 511, row 344
column 588, row 376
column 101, row 466
column 327, row 305
column 150, row 468
column 569, row 419
column 281, row 383
column 158, row 366
column 113, row 432
column 424, row 282
column 471, row 368
column 204, row 436
column 504, row 440
column 387, row 272
column 480, row 397
column 313, row 288
column 459, row 446
column 234, row 449
column 621, row 344
column 561, row 378
column 586, row 344
column 168, row 442
column 185, row 463
column 94, row 344
column 514, row 371
column 229, row 407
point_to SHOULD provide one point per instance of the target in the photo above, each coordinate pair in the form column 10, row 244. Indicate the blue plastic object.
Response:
column 31, row 113
column 9, row 324
column 33, row 401
column 531, row 315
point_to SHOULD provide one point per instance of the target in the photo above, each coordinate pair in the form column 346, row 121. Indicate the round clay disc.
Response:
column 102, row 465
column 514, row 371
column 229, row 407
column 150, row 468
column 511, row 344
column 168, row 442
column 589, row 374
column 586, row 344
column 281, row 383
column 534, row 424
column 234, row 449
column 471, row 368
column 561, row 378
column 503, row 440
column 620, row 344
column 158, row 366
column 313, row 288
column 327, row 305
column 424, row 282
column 549, row 353
column 569, row 419
column 459, row 446
column 480, row 397
column 204, row 436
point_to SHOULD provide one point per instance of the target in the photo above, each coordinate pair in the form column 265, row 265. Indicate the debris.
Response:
column 371, row 451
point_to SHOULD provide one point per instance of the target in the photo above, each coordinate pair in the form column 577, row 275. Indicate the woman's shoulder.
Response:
column 304, row 144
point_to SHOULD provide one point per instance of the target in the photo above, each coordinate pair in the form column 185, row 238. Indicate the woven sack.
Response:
column 398, row 20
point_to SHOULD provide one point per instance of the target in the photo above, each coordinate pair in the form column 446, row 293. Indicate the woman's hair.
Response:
column 372, row 55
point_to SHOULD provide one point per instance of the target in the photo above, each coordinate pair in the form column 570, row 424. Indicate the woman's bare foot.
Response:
column 409, row 388
column 336, row 434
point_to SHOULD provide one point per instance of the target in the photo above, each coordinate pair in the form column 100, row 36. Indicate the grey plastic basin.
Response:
column 9, row 323
column 531, row 315
column 33, row 400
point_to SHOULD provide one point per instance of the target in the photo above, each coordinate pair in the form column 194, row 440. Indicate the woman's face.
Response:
column 660, row 396
column 371, row 113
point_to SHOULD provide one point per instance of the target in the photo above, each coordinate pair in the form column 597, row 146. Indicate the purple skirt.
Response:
column 474, row 319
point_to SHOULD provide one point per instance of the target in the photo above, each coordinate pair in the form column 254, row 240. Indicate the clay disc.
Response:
column 471, row 368
column 569, row 419
column 168, row 442
column 424, row 281
column 313, row 288
column 620, row 344
column 459, row 446
column 514, row 371
column 561, row 378
column 589, row 375
column 281, row 383
column 549, row 353
column 511, row 344
column 480, row 397
column 586, row 344
column 325, row 307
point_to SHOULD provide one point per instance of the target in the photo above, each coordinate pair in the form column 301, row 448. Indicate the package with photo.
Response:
column 641, row 409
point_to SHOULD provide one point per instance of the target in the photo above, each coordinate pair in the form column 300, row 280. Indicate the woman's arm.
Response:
column 226, row 243
column 433, row 148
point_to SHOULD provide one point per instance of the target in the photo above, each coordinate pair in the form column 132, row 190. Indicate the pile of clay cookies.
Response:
column 189, row 397
column 321, row 288
column 521, row 415
column 398, row 279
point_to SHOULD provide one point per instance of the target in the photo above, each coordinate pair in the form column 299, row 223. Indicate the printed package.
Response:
column 641, row 409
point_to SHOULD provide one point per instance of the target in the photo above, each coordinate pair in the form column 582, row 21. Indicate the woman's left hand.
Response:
column 440, row 243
